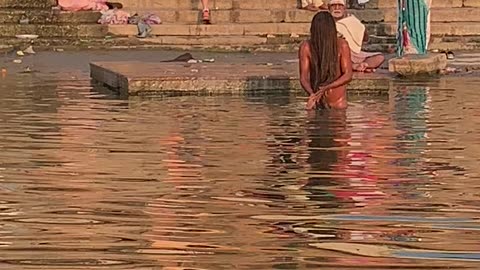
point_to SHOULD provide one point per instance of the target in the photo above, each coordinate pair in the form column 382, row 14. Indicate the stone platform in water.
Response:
column 144, row 78
column 415, row 64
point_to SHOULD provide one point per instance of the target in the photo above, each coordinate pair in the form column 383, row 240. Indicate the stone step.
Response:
column 227, row 43
column 13, row 16
column 435, row 4
column 213, row 4
column 298, row 16
column 233, row 16
column 437, row 15
column 54, row 30
column 39, row 4
column 383, row 42
column 269, row 4
column 260, row 29
column 471, row 3
column 208, row 40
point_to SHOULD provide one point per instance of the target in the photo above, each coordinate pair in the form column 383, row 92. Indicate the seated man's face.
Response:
column 337, row 11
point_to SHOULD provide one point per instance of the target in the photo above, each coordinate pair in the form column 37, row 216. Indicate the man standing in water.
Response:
column 325, row 65
column 354, row 32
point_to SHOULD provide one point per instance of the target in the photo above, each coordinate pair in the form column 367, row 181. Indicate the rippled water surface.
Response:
column 91, row 181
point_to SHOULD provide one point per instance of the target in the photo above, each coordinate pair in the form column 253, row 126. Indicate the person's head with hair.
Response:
column 324, row 63
column 338, row 9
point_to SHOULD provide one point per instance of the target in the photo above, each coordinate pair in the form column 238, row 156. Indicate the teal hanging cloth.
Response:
column 413, row 33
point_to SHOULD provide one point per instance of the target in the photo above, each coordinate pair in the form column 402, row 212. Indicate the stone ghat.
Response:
column 140, row 78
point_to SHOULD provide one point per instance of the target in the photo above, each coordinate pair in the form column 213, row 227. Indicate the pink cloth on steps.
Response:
column 77, row 5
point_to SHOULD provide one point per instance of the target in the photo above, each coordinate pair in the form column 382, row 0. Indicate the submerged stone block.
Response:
column 144, row 78
column 415, row 64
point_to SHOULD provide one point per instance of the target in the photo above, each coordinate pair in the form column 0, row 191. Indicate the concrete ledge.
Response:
column 140, row 78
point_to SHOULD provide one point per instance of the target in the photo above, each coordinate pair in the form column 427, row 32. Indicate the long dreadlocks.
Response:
column 324, row 60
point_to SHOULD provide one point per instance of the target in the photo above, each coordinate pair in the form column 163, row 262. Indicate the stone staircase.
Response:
column 237, row 24
column 277, row 24
column 38, row 17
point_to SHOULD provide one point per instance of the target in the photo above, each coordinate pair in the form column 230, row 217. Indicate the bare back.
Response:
column 335, row 94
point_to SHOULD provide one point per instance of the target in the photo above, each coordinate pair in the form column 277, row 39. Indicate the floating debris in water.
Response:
column 29, row 50
column 27, row 70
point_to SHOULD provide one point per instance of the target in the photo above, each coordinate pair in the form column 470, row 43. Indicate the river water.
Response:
column 92, row 181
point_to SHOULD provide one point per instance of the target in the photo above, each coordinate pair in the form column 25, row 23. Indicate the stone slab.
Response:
column 414, row 65
column 27, row 3
column 174, row 4
column 53, row 30
column 213, row 4
column 207, row 41
column 36, row 16
column 140, row 78
column 471, row 3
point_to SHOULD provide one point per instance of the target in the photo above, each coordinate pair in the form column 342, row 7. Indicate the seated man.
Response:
column 314, row 5
column 354, row 32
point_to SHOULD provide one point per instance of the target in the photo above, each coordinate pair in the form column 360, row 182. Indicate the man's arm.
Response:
column 304, row 62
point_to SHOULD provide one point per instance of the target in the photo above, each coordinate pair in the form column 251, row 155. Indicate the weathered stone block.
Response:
column 40, row 16
column 149, row 5
column 414, row 64
column 471, row 3
column 140, row 78
column 52, row 30
column 27, row 3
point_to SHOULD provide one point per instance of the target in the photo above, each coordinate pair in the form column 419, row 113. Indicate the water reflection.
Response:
column 90, row 181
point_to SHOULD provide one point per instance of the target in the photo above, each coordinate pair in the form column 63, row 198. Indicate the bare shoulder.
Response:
column 342, row 43
column 305, row 46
